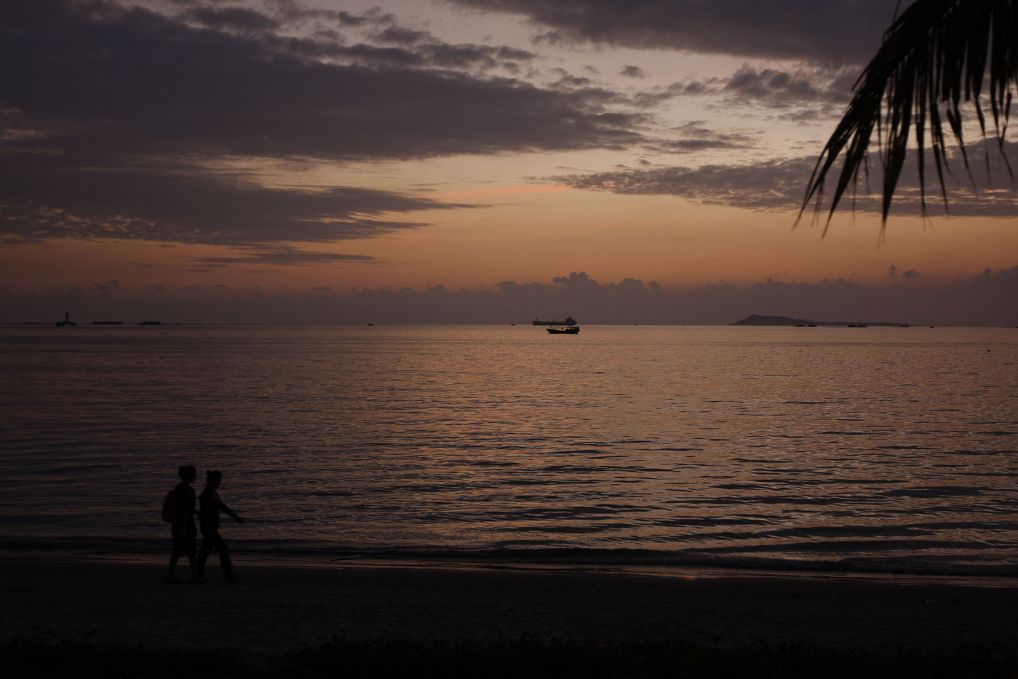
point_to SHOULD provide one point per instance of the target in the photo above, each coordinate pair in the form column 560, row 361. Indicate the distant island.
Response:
column 757, row 319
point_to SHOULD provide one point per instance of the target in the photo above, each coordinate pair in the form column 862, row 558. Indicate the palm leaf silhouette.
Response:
column 936, row 55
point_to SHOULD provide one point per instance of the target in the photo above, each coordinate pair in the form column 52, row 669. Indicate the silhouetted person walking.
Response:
column 208, row 517
column 178, row 509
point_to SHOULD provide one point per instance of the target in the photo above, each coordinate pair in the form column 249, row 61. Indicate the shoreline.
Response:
column 454, row 564
column 628, row 560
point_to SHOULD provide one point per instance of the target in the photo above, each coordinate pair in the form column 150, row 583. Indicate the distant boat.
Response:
column 573, row 330
column 569, row 321
column 67, row 322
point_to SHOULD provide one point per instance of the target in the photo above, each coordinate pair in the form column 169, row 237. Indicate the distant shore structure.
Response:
column 67, row 322
column 756, row 319
column 568, row 322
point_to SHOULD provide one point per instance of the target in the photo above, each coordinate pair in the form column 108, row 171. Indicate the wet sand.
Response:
column 276, row 608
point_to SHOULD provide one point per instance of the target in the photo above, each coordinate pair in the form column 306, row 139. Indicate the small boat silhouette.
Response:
column 572, row 330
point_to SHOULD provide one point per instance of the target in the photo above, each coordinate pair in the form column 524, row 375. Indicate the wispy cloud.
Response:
column 283, row 256
column 779, row 185
column 695, row 136
column 814, row 90
column 45, row 196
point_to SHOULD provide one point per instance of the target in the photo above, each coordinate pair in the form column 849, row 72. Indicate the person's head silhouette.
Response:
column 187, row 473
column 213, row 478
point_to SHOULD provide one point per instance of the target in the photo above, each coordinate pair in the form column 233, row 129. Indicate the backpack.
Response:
column 170, row 507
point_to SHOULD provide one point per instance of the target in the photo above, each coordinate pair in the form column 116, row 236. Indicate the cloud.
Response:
column 109, row 118
column 209, row 92
column 45, row 196
column 422, row 57
column 632, row 72
column 297, row 13
column 779, row 88
column 779, row 185
column 693, row 137
column 403, row 36
column 770, row 185
column 812, row 90
column 107, row 287
column 837, row 31
column 987, row 298
column 283, row 256
column 240, row 19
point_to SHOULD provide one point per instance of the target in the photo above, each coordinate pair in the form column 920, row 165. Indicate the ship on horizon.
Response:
column 568, row 322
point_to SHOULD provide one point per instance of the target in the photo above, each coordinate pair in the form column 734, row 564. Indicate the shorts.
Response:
column 185, row 540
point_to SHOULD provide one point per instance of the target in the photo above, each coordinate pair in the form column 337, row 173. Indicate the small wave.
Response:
column 936, row 491
column 485, row 463
column 539, row 553
column 595, row 469
column 709, row 521
column 841, row 547
column 813, row 481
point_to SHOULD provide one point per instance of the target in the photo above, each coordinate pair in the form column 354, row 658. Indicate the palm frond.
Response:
column 936, row 55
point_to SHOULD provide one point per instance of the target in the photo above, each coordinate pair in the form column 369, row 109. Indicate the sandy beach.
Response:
column 276, row 609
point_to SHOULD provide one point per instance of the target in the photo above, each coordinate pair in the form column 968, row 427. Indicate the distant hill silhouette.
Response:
column 757, row 319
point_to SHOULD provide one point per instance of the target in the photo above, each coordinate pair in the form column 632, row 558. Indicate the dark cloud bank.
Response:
column 830, row 31
column 109, row 116
column 990, row 298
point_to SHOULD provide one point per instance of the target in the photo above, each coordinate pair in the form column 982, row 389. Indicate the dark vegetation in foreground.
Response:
column 503, row 658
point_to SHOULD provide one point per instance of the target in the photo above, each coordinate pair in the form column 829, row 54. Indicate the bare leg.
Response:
column 170, row 567
column 203, row 554
column 224, row 560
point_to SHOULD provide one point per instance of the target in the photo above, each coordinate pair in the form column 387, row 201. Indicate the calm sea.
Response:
column 889, row 449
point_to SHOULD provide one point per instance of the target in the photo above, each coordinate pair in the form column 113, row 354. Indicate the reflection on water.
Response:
column 871, row 448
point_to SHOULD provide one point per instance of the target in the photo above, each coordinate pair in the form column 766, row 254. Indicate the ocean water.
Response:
column 855, row 449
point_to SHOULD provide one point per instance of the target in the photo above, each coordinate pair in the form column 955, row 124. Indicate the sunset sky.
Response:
column 206, row 152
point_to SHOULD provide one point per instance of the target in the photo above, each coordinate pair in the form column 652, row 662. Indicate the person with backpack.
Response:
column 179, row 511
column 208, row 517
